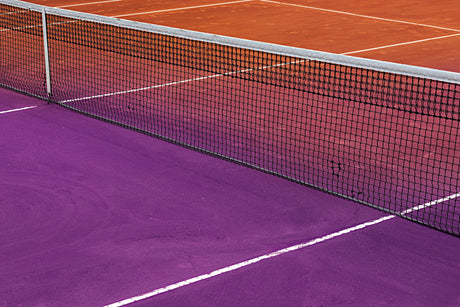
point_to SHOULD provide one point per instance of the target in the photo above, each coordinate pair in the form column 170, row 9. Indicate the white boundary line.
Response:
column 402, row 44
column 20, row 28
column 177, row 82
column 16, row 110
column 242, row 71
column 140, row 89
column 360, row 15
column 13, row 12
column 247, row 262
column 273, row 254
column 87, row 3
column 182, row 8
column 431, row 203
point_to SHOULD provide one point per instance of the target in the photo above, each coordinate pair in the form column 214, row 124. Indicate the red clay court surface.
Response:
column 92, row 214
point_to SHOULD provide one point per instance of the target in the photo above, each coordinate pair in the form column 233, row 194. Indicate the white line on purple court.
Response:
column 276, row 253
column 17, row 110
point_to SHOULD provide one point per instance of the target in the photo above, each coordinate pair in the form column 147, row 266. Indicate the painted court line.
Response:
column 20, row 28
column 431, row 203
column 176, row 82
column 402, row 44
column 246, row 70
column 183, row 8
column 16, row 110
column 88, row 3
column 13, row 12
column 246, row 263
column 138, row 89
column 361, row 15
column 273, row 254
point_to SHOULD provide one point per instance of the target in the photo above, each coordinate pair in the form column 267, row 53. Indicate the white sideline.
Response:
column 273, row 254
column 15, row 110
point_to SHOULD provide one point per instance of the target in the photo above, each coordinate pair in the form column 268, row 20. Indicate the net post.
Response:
column 45, row 45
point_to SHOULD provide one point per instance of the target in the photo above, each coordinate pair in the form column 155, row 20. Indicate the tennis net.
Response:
column 382, row 134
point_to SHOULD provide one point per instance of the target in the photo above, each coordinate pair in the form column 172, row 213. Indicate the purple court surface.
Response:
column 92, row 214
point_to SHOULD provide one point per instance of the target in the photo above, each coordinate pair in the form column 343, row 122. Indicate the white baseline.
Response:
column 183, row 8
column 88, row 3
column 361, row 15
